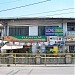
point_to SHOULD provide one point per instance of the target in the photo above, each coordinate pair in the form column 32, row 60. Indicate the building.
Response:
column 60, row 30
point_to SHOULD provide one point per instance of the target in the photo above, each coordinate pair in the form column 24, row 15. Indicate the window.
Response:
column 71, row 49
column 41, row 31
column 19, row 31
column 71, row 26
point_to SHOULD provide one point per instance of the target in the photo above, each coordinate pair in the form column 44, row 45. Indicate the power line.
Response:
column 24, row 5
column 10, row 1
column 60, row 14
column 48, row 12
column 53, row 14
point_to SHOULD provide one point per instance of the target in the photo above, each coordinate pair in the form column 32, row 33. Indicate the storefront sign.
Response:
column 71, row 33
column 53, row 31
column 30, row 37
column 25, row 38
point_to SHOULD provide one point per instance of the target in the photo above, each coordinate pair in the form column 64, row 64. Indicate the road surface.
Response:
column 37, row 70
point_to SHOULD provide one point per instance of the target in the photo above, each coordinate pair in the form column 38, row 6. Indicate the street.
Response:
column 37, row 70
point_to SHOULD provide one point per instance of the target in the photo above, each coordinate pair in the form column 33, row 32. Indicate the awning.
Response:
column 11, row 47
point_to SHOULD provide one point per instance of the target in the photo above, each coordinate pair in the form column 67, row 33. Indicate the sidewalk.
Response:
column 35, row 65
column 22, row 69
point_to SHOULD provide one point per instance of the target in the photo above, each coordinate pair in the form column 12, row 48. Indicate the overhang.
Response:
column 36, row 18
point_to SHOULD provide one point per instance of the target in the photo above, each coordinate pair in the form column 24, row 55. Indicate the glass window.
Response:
column 71, row 26
column 71, row 49
column 19, row 31
column 41, row 31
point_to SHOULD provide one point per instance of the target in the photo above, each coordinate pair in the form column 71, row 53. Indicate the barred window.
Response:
column 19, row 31
column 71, row 26
column 41, row 30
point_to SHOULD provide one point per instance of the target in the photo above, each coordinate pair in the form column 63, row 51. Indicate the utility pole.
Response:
column 5, row 25
column 63, row 38
column 4, row 30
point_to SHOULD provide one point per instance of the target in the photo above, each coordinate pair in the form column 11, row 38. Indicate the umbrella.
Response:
column 11, row 47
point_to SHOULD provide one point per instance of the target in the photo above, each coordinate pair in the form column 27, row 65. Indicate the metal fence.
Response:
column 27, row 58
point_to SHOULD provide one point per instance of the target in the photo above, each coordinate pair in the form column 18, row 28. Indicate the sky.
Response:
column 37, row 8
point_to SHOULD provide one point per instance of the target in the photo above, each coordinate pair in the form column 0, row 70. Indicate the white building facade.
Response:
column 52, row 28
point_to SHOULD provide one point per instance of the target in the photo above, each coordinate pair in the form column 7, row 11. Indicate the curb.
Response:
column 47, row 65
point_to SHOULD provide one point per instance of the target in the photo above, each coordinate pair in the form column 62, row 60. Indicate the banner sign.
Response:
column 53, row 31
column 25, row 38
column 30, row 37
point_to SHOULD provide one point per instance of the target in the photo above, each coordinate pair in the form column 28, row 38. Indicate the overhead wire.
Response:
column 48, row 12
column 37, row 13
column 60, row 14
column 52, row 14
column 10, row 1
column 25, row 5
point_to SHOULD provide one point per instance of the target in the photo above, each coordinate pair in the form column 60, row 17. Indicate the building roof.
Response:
column 36, row 18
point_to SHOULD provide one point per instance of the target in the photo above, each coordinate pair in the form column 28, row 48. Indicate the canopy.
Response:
column 11, row 47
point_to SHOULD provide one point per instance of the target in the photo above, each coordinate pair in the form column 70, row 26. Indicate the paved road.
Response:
column 37, row 70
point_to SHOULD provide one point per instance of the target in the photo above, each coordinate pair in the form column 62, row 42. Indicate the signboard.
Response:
column 53, row 31
column 25, row 38
column 71, row 33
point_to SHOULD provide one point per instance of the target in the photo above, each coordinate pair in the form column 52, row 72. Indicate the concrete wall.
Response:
column 64, row 28
column 33, row 30
column 34, row 23
column 34, row 60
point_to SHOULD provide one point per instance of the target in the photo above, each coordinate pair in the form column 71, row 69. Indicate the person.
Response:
column 43, row 49
column 66, row 50
column 34, row 48
column 48, row 44
column 37, row 48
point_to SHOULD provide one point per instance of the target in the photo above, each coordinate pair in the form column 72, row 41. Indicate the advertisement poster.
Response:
column 53, row 31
